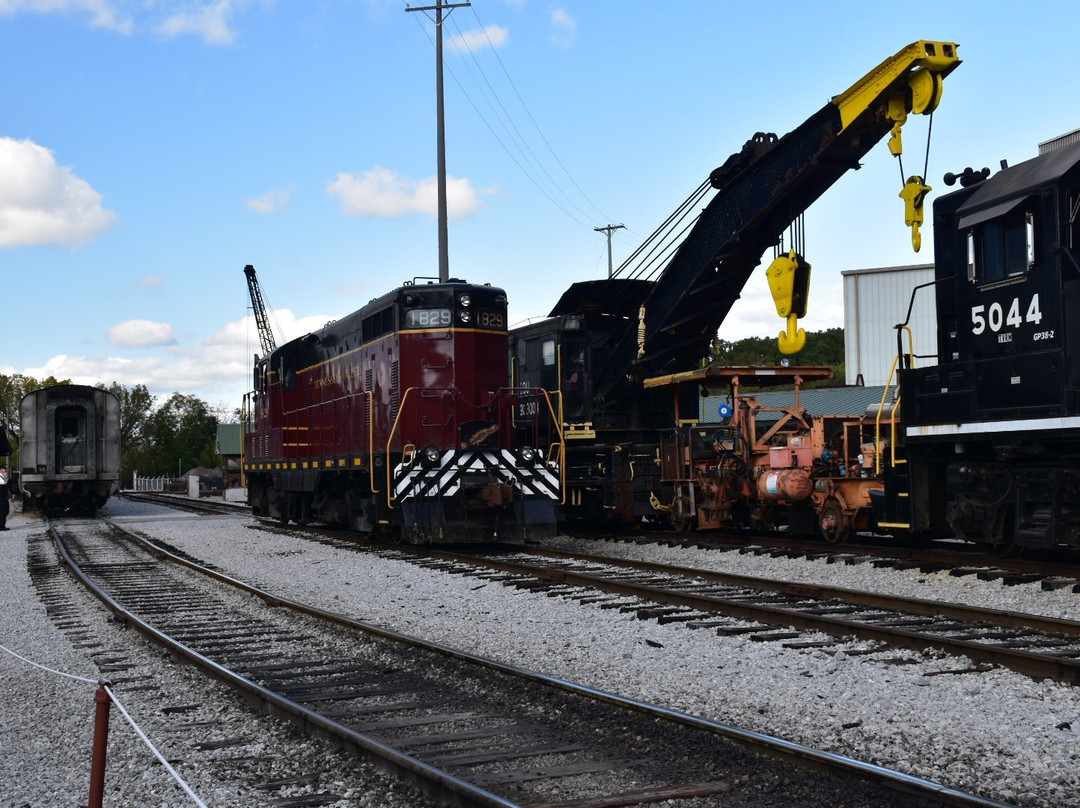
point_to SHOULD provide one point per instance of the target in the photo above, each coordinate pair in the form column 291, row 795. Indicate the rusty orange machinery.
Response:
column 765, row 467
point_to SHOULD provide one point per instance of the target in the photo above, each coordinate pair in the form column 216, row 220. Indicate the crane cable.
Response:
column 926, row 160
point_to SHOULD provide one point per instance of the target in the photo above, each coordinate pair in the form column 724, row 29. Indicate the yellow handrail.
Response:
column 558, row 418
column 892, row 414
column 389, row 439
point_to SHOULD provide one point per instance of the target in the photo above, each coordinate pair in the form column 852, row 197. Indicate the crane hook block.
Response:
column 789, row 283
column 914, row 194
column 793, row 338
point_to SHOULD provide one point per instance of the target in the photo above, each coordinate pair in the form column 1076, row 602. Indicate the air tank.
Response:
column 790, row 485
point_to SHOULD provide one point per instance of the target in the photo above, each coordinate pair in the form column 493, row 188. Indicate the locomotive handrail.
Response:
column 900, row 329
column 561, row 443
column 390, row 496
column 371, row 439
column 557, row 420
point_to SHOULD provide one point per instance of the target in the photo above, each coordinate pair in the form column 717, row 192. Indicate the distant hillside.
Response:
column 822, row 348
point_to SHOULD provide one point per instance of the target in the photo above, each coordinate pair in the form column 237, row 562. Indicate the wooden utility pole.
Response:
column 611, row 228
column 444, row 250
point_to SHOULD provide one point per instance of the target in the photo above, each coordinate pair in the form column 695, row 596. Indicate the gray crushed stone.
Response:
column 998, row 734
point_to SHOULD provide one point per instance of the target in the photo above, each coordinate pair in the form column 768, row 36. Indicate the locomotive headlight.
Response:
column 431, row 455
column 465, row 300
column 465, row 316
column 528, row 454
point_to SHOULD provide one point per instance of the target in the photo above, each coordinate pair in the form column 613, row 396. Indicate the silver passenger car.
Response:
column 69, row 448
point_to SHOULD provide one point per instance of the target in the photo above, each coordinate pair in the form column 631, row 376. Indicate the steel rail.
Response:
column 1027, row 662
column 854, row 596
column 937, row 553
column 816, row 759
column 432, row 781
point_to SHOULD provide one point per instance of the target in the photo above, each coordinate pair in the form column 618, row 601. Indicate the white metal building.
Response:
column 1058, row 142
column 875, row 301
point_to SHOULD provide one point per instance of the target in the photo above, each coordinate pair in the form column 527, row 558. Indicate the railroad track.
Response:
column 1030, row 644
column 207, row 507
column 468, row 730
column 769, row 610
column 1050, row 570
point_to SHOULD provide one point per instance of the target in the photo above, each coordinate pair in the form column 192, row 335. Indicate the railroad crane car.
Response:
column 604, row 338
column 69, row 448
column 398, row 420
column 984, row 442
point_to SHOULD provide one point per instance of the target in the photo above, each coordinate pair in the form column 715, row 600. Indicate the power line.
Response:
column 514, row 142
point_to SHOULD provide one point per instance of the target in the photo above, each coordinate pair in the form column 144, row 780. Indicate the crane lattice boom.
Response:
column 266, row 336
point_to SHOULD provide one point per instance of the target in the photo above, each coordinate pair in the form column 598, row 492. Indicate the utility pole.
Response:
column 444, row 251
column 611, row 228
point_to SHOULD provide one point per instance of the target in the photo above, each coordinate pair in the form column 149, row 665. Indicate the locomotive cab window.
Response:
column 547, row 352
column 1001, row 247
column 287, row 372
column 259, row 380
column 521, row 361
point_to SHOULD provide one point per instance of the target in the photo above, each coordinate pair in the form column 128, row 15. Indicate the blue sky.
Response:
column 149, row 149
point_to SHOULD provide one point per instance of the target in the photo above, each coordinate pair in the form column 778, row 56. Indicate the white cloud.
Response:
column 382, row 193
column 103, row 13
column 211, row 22
column 151, row 283
column 45, row 203
column 565, row 29
column 141, row 334
column 217, row 368
column 270, row 202
column 491, row 36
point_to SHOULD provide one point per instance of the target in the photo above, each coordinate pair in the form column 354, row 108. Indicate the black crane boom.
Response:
column 266, row 336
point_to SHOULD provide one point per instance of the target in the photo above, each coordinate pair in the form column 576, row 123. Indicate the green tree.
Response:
column 822, row 348
column 136, row 404
column 180, row 434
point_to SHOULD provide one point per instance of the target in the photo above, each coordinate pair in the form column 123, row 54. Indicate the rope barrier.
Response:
column 157, row 754
column 138, row 730
column 7, row 650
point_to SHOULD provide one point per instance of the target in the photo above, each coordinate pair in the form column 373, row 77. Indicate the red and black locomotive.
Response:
column 397, row 420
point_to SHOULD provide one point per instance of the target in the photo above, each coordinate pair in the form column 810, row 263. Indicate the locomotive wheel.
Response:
column 684, row 524
column 835, row 527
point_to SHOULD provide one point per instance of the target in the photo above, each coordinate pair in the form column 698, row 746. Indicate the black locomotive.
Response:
column 988, row 440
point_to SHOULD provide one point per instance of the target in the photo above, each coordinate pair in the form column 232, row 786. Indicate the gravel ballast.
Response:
column 998, row 734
